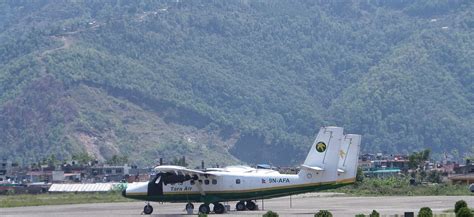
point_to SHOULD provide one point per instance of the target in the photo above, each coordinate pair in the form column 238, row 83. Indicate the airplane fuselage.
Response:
column 220, row 187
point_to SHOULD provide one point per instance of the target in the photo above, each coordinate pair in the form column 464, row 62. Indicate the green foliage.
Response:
column 261, row 70
column 359, row 175
column 82, row 158
column 179, row 161
column 270, row 214
column 459, row 204
column 425, row 212
column 360, row 215
column 374, row 214
column 464, row 212
column 19, row 200
column 202, row 215
column 400, row 186
column 323, row 213
column 417, row 159
column 118, row 160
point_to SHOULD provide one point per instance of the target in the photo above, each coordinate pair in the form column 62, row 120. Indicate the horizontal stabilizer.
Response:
column 312, row 168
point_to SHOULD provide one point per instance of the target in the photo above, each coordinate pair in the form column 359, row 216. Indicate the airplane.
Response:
column 330, row 163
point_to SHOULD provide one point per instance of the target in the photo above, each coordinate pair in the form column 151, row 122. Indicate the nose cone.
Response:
column 136, row 190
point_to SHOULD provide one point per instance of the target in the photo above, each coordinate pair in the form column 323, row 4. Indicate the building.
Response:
column 108, row 173
column 7, row 170
column 463, row 173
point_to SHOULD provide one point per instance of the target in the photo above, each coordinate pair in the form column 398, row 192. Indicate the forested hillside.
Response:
column 233, row 81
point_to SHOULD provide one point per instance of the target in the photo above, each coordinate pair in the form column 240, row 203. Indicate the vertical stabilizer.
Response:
column 348, row 158
column 322, row 160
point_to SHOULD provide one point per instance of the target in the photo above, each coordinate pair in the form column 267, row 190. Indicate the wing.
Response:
column 181, row 170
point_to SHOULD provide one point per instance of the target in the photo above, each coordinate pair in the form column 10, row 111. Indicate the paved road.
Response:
column 302, row 205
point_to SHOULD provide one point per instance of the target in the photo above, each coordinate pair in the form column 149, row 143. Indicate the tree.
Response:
column 323, row 213
column 270, row 214
column 464, row 212
column 417, row 159
column 425, row 212
column 459, row 204
column 117, row 160
column 82, row 158
column 360, row 175
column 179, row 161
column 374, row 214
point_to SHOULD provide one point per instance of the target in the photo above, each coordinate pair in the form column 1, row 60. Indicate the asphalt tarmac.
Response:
column 301, row 205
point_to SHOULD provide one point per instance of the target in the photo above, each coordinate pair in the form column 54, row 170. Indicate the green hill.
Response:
column 233, row 81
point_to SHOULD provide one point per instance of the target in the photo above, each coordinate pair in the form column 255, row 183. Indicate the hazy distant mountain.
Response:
column 230, row 81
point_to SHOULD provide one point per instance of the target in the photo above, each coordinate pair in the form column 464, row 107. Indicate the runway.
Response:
column 301, row 205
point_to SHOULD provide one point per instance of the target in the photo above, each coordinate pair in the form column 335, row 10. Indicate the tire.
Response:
column 148, row 210
column 250, row 205
column 204, row 208
column 219, row 208
column 240, row 206
column 189, row 206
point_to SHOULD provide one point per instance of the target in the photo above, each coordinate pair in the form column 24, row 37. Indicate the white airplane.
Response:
column 331, row 163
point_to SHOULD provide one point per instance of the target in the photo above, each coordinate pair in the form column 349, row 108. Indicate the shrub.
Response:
column 459, row 204
column 323, row 213
column 270, row 214
column 374, row 214
column 202, row 214
column 425, row 212
column 464, row 212
column 360, row 215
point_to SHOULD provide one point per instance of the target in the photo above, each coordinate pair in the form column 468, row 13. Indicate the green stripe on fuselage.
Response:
column 214, row 197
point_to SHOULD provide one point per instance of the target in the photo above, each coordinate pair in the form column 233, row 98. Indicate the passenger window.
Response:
column 206, row 182
column 237, row 181
column 200, row 181
column 214, row 182
column 192, row 182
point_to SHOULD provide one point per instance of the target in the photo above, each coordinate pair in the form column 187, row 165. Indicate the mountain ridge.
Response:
column 237, row 75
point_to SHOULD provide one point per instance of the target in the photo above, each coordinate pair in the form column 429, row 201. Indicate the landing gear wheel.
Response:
column 189, row 206
column 204, row 208
column 219, row 208
column 147, row 209
column 240, row 206
column 250, row 205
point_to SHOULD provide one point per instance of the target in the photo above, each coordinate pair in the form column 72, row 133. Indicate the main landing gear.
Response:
column 241, row 206
column 219, row 208
column 204, row 208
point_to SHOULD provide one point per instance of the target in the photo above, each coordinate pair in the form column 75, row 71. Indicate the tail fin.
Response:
column 322, row 160
column 348, row 158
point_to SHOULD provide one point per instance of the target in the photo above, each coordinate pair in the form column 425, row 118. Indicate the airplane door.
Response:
column 155, row 186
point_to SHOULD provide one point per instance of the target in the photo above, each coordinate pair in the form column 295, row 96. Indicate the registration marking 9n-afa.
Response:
column 330, row 163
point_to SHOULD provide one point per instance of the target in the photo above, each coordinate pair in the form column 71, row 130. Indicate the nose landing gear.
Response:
column 148, row 209
column 189, row 206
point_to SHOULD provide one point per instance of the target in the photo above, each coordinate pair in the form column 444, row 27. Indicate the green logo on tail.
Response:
column 320, row 147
